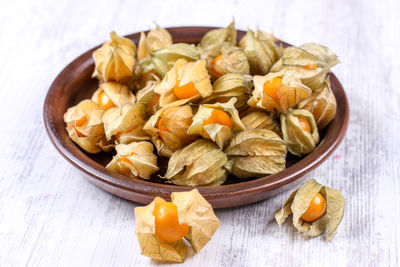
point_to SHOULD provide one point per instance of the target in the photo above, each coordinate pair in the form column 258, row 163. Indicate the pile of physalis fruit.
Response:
column 212, row 108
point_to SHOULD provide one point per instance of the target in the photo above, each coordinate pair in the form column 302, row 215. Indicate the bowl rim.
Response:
column 102, row 175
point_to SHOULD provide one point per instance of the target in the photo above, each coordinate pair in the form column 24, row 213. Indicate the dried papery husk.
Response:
column 135, row 159
column 231, row 85
column 310, row 63
column 164, row 59
column 193, row 210
column 115, row 60
column 259, row 119
column 156, row 39
column 91, row 131
column 148, row 96
column 261, row 51
column 220, row 36
column 125, row 123
column 184, row 72
column 299, row 201
column 322, row 104
column 289, row 94
column 299, row 142
column 255, row 153
column 218, row 133
column 177, row 120
column 118, row 93
column 200, row 163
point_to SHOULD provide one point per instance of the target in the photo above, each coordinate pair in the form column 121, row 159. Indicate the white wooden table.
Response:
column 50, row 215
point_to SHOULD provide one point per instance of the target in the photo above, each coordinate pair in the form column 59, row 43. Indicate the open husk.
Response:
column 156, row 39
column 200, row 163
column 231, row 85
column 115, row 60
column 299, row 201
column 218, row 133
column 125, row 123
column 118, row 93
column 309, row 62
column 255, row 153
column 84, row 125
column 181, row 74
column 193, row 210
column 135, row 159
column 261, row 51
column 175, row 122
column 322, row 104
column 164, row 59
column 289, row 93
column 259, row 119
column 299, row 142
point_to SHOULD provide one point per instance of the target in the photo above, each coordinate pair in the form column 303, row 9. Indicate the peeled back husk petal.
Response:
column 118, row 93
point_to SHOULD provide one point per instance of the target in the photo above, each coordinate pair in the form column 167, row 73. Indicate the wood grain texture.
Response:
column 52, row 216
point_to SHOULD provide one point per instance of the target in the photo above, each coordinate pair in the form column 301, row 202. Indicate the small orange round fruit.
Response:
column 185, row 91
column 316, row 209
column 271, row 88
column 304, row 124
column 104, row 101
column 217, row 62
column 310, row 66
column 167, row 223
column 219, row 117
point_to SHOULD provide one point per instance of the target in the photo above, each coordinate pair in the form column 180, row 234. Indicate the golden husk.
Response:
column 156, row 39
column 322, row 104
column 149, row 97
column 91, row 132
column 143, row 162
column 259, row 119
column 299, row 142
column 193, row 210
column 218, row 133
column 229, row 86
column 184, row 72
column 177, row 120
column 115, row 60
column 118, row 93
column 200, row 163
column 289, row 94
column 299, row 201
column 261, row 51
column 164, row 59
column 255, row 153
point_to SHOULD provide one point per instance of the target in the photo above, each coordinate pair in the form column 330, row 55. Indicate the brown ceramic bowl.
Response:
column 74, row 83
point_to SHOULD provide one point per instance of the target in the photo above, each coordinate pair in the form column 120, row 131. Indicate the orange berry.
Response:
column 219, row 117
column 104, row 101
column 185, row 91
column 271, row 88
column 310, row 66
column 217, row 62
column 167, row 224
column 315, row 210
column 304, row 124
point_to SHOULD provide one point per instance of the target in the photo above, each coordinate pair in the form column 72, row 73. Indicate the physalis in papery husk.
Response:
column 168, row 129
column 164, row 59
column 322, row 104
column 115, row 60
column 185, row 82
column 149, row 97
column 200, row 163
column 217, row 122
column 309, row 62
column 277, row 92
column 299, row 131
column 84, row 125
column 258, row 119
column 125, row 124
column 255, row 153
column 135, row 159
column 161, row 226
column 229, row 86
column 261, row 51
column 156, row 39
column 113, row 94
column 316, row 209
